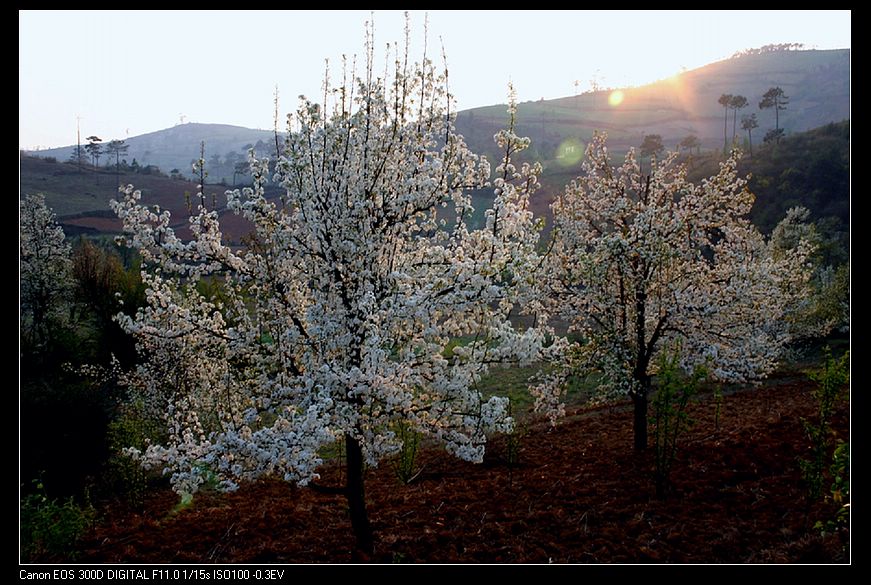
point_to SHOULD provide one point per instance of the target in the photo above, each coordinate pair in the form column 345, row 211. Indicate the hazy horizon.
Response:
column 129, row 86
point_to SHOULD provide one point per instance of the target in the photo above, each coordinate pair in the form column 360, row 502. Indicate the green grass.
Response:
column 514, row 382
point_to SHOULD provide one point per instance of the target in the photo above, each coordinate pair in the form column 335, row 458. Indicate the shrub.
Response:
column 830, row 380
column 132, row 427
column 839, row 522
column 405, row 464
column 671, row 420
column 51, row 529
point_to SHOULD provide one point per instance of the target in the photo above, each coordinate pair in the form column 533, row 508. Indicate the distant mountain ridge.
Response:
column 176, row 147
column 817, row 83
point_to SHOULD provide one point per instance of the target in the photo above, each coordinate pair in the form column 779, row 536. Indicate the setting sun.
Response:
column 616, row 98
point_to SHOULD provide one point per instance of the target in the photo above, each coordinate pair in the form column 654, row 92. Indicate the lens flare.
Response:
column 570, row 152
column 616, row 98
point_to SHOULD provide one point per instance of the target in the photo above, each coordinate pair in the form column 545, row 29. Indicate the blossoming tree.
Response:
column 335, row 316
column 827, row 306
column 640, row 263
column 45, row 269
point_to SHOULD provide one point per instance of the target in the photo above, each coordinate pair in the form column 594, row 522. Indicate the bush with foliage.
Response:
column 50, row 529
column 840, row 492
column 405, row 463
column 674, row 390
column 831, row 381
column 133, row 426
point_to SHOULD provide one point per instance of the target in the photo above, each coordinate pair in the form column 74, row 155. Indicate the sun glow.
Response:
column 616, row 98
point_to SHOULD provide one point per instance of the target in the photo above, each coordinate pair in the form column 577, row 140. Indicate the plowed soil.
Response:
column 578, row 494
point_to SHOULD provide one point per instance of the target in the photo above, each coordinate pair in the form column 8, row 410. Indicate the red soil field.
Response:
column 579, row 495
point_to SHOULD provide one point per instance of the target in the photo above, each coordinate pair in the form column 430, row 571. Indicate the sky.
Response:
column 125, row 73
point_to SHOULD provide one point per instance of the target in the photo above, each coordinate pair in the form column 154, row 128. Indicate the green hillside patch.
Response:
column 808, row 169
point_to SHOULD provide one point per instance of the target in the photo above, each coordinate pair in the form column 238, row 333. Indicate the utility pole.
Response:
column 78, row 143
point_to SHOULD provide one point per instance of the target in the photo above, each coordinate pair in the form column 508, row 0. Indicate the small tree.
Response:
column 831, row 381
column 117, row 148
column 95, row 149
column 45, row 270
column 232, row 158
column 773, row 136
column 725, row 100
column 651, row 146
column 215, row 164
column 198, row 168
column 690, row 142
column 638, row 262
column 748, row 123
column 336, row 316
column 674, row 390
column 102, row 287
column 240, row 169
column 776, row 99
column 737, row 102
column 77, row 156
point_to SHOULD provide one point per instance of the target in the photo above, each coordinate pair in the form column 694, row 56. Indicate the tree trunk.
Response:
column 642, row 378
column 356, row 495
column 734, row 124
column 639, row 423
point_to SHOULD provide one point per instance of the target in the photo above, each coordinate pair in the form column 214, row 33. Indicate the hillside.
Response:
column 811, row 169
column 817, row 83
column 81, row 199
column 807, row 168
column 176, row 147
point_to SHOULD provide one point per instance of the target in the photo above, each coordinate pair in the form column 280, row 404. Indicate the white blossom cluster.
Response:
column 828, row 305
column 644, row 262
column 45, row 269
column 334, row 318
